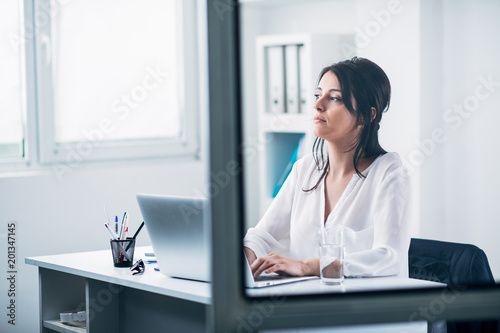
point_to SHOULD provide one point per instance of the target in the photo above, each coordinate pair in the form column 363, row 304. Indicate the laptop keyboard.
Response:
column 271, row 277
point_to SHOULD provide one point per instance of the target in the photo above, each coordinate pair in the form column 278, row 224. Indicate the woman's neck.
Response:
column 341, row 161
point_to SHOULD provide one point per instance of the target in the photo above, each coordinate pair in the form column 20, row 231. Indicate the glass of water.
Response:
column 331, row 260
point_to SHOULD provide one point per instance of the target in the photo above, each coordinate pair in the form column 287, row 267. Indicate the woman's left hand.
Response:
column 275, row 263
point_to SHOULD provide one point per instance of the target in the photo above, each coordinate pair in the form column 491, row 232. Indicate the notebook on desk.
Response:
column 178, row 229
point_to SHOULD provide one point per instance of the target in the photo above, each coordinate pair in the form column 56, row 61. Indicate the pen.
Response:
column 113, row 236
column 121, row 228
column 116, row 224
column 138, row 230
column 111, row 233
column 136, row 233
column 124, row 226
column 106, row 213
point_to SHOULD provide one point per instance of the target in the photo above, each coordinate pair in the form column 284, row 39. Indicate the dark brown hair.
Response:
column 365, row 82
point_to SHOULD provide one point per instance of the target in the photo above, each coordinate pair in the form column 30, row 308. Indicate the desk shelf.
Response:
column 59, row 292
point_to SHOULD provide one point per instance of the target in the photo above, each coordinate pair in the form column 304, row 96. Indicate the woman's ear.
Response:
column 374, row 114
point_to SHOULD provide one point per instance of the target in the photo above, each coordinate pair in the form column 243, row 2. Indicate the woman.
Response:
column 351, row 182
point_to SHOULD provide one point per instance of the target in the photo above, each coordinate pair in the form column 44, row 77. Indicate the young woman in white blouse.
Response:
column 351, row 182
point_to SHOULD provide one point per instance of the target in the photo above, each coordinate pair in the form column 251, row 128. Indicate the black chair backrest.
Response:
column 450, row 263
column 454, row 264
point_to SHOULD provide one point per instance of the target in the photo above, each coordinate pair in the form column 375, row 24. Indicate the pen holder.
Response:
column 123, row 252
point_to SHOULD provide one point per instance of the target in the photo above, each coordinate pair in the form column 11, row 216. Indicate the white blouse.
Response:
column 375, row 212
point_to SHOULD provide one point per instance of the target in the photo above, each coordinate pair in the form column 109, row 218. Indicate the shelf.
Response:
column 285, row 122
column 57, row 326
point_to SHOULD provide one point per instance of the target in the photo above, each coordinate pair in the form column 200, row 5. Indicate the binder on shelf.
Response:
column 297, row 153
column 292, row 78
column 302, row 80
column 275, row 68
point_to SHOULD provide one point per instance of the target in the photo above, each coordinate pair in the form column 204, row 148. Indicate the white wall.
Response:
column 472, row 51
column 60, row 217
column 392, row 40
column 458, row 174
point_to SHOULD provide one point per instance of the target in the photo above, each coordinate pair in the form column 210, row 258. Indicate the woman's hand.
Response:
column 275, row 263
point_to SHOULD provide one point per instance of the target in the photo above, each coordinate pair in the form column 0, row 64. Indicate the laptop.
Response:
column 179, row 236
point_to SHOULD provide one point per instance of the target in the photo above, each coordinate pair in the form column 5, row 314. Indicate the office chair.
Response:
column 454, row 264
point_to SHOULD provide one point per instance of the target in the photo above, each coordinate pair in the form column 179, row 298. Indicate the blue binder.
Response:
column 287, row 170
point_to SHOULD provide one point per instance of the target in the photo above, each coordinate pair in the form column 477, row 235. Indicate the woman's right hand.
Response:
column 275, row 263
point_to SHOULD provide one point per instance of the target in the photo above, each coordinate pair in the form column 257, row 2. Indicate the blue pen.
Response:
column 123, row 229
column 116, row 224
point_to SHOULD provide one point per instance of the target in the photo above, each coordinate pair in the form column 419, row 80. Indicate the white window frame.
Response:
column 188, row 145
column 25, row 53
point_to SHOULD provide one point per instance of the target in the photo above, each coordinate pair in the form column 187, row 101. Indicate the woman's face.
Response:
column 332, row 121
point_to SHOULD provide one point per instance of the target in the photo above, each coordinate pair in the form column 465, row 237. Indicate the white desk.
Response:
column 117, row 301
column 350, row 284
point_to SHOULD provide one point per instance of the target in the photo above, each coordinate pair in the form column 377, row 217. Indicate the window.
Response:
column 11, row 82
column 110, row 79
column 117, row 61
column 113, row 70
